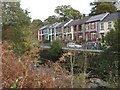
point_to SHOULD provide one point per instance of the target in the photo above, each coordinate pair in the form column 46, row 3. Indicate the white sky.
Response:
column 41, row 9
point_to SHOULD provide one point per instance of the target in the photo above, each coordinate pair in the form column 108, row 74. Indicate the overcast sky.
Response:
column 41, row 9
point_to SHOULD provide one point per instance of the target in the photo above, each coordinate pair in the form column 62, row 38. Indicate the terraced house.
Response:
column 92, row 27
column 67, row 33
column 43, row 33
column 108, row 23
column 51, row 32
column 87, row 29
column 77, row 29
column 59, row 30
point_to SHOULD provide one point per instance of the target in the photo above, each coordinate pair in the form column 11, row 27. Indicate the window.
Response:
column 87, row 26
column 46, row 37
column 86, row 37
column 102, row 26
column 52, row 36
column 69, row 37
column 60, row 30
column 83, row 27
column 93, row 35
column 65, row 29
column 52, row 30
column 92, row 25
column 80, row 28
column 40, row 32
column 56, row 30
column 69, row 29
column 75, row 28
column 109, row 25
column 81, row 36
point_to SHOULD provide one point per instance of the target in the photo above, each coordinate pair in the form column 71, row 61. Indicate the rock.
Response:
column 98, row 82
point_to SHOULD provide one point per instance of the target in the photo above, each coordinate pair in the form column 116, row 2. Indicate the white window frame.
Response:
column 93, row 35
column 102, row 26
column 109, row 25
column 87, row 26
column 92, row 25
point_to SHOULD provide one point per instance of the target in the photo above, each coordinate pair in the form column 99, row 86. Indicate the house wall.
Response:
column 104, row 31
column 91, row 33
column 72, row 34
column 39, row 35
column 55, row 33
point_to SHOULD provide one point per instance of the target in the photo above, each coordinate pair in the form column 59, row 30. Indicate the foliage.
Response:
column 23, row 74
column 56, row 48
column 51, row 19
column 77, row 65
column 13, row 15
column 113, row 41
column 105, row 7
column 102, row 7
column 93, row 9
column 106, row 64
column 16, row 27
column 66, row 12
column 17, row 73
column 35, row 25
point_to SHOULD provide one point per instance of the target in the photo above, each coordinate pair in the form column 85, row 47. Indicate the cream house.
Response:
column 67, row 33
column 108, row 23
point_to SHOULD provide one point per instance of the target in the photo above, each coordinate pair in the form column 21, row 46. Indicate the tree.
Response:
column 35, row 25
column 106, row 64
column 102, row 7
column 94, row 4
column 13, row 15
column 113, row 41
column 16, row 26
column 51, row 19
column 105, row 7
column 56, row 49
column 66, row 12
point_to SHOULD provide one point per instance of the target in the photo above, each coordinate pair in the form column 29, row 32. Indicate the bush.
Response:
column 56, row 49
column 21, row 73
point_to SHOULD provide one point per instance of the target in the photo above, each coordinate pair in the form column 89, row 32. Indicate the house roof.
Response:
column 97, row 17
column 62, row 24
column 52, row 25
column 57, row 25
column 46, row 26
column 78, row 21
column 112, row 16
column 68, row 23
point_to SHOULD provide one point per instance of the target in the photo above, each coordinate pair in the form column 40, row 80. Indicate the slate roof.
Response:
column 112, row 16
column 78, row 21
column 62, row 24
column 97, row 17
column 65, row 25
column 52, row 25
column 57, row 25
column 46, row 26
